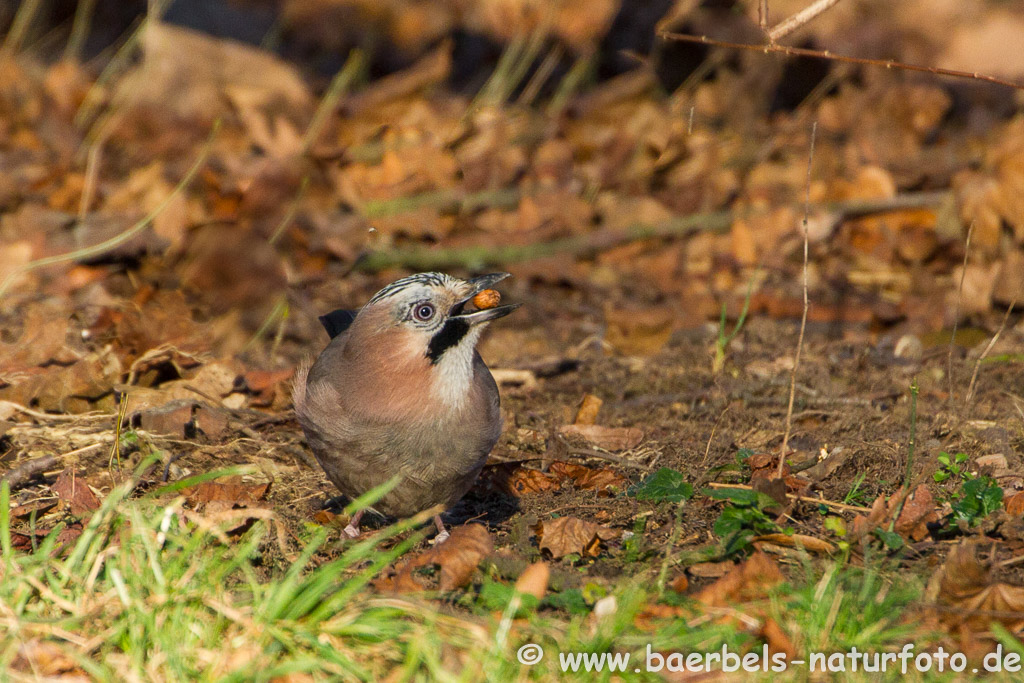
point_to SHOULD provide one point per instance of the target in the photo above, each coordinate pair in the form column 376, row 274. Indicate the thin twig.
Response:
column 92, row 166
column 707, row 449
column 601, row 455
column 913, row 434
column 53, row 416
column 292, row 209
column 762, row 16
column 340, row 84
column 803, row 317
column 825, row 54
column 991, row 343
column 805, row 499
column 120, row 238
column 956, row 314
column 804, row 16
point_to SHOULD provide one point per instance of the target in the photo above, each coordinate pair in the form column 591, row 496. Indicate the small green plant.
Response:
column 739, row 469
column 857, row 495
column 724, row 339
column 743, row 518
column 666, row 484
column 951, row 466
column 977, row 499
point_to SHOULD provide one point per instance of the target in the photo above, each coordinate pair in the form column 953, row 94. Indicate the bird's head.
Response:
column 426, row 314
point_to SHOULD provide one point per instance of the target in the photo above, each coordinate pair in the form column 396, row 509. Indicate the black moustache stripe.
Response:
column 451, row 334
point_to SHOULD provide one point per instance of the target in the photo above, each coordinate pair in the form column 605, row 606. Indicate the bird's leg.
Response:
column 352, row 530
column 442, row 533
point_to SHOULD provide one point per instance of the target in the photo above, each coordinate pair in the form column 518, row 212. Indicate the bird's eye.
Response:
column 423, row 312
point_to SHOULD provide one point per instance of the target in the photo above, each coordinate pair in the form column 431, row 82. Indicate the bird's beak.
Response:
column 488, row 314
column 479, row 284
column 482, row 282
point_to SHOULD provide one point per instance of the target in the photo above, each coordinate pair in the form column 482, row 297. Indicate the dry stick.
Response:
column 956, row 315
column 25, row 472
column 707, row 450
column 805, row 499
column 762, row 16
column 804, row 16
column 120, row 238
column 425, row 258
column 991, row 343
column 803, row 317
column 825, row 54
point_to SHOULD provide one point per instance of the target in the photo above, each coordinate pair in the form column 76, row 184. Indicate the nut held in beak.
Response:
column 488, row 298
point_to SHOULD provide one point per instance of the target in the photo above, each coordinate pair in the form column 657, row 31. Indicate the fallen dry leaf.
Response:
column 233, row 492
column 525, row 480
column 964, row 584
column 1015, row 504
column 515, row 480
column 749, row 581
column 443, row 567
column 609, row 438
column 918, row 512
column 567, row 535
column 641, row 332
column 710, row 570
column 588, row 478
column 46, row 659
column 74, row 492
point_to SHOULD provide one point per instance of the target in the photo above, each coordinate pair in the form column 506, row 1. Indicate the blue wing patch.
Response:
column 337, row 321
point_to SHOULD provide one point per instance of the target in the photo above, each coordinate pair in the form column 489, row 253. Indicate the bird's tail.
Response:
column 299, row 384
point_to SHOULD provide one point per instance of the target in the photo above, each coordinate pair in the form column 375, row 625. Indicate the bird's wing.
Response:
column 337, row 321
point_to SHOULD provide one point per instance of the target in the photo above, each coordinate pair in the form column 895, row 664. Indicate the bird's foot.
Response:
column 352, row 530
column 442, row 533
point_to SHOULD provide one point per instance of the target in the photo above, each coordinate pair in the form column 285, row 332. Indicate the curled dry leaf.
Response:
column 443, row 567
column 918, row 512
column 567, row 535
column 75, row 492
column 749, row 581
column 609, row 438
column 601, row 480
column 589, row 407
column 1015, row 504
column 534, row 580
column 808, row 543
column 524, row 480
column 680, row 584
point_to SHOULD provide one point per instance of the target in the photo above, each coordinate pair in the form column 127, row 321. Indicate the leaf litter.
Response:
column 196, row 323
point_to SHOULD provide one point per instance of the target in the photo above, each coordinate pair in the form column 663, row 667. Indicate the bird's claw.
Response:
column 351, row 531
column 442, row 537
